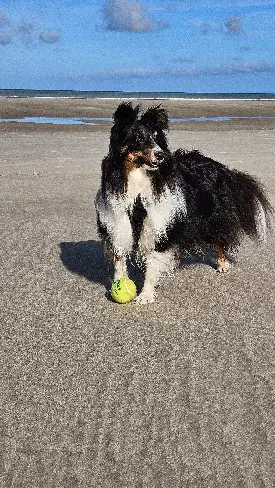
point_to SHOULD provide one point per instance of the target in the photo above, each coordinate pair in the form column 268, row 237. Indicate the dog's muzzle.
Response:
column 142, row 159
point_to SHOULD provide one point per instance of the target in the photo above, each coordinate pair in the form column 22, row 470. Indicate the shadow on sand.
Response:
column 87, row 258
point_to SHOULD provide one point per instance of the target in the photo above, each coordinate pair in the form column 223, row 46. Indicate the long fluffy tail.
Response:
column 261, row 222
column 256, row 216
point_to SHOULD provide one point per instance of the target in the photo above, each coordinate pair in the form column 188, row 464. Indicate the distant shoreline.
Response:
column 121, row 95
column 149, row 99
column 146, row 98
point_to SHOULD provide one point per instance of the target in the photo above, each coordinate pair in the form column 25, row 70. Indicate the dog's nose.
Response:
column 140, row 159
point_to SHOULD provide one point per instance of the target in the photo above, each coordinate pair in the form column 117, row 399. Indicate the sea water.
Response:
column 94, row 120
column 133, row 95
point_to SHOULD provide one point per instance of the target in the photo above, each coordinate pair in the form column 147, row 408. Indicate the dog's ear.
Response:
column 156, row 118
column 125, row 115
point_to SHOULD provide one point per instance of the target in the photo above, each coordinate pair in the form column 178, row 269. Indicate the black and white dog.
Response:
column 160, row 203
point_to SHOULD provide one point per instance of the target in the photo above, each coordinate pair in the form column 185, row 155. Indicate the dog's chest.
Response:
column 139, row 185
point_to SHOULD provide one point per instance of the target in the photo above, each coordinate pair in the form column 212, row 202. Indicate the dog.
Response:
column 158, row 203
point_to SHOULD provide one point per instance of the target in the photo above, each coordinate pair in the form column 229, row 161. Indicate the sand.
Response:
column 177, row 108
column 179, row 393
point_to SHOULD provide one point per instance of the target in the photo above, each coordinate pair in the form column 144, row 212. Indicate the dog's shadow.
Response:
column 207, row 257
column 88, row 259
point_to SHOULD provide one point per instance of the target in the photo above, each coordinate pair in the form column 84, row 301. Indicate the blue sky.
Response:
column 149, row 45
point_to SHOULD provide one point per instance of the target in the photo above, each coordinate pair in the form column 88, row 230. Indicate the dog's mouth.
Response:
column 141, row 159
column 145, row 159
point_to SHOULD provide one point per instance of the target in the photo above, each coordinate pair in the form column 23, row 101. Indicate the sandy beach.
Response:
column 246, row 114
column 177, row 394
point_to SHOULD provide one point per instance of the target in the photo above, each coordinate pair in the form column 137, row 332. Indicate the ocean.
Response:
column 121, row 94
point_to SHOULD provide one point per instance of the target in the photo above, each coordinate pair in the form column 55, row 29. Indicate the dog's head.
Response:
column 138, row 139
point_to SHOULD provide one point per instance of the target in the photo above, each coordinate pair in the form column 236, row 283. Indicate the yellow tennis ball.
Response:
column 123, row 290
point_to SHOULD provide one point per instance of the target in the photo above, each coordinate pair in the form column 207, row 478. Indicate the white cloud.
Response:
column 192, row 71
column 4, row 18
column 49, row 37
column 125, row 15
column 229, row 69
column 183, row 59
column 5, row 37
column 11, row 30
column 205, row 28
column 233, row 24
column 25, row 31
column 25, row 28
column 213, row 4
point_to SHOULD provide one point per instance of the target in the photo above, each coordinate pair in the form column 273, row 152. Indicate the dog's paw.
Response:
column 145, row 298
column 223, row 267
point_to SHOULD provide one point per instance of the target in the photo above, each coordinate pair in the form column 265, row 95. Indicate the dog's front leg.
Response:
column 120, row 264
column 122, row 244
column 157, row 263
column 116, row 230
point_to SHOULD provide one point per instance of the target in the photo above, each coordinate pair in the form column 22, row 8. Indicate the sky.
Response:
column 143, row 45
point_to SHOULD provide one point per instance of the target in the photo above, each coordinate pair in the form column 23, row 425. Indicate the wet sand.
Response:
column 177, row 108
column 179, row 393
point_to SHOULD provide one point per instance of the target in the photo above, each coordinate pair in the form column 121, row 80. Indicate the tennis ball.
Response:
column 123, row 290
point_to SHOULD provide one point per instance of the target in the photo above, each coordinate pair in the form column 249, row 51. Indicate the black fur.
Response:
column 222, row 203
column 138, row 133
column 135, row 134
column 124, row 118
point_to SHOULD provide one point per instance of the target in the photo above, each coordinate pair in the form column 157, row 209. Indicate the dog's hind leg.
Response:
column 223, row 264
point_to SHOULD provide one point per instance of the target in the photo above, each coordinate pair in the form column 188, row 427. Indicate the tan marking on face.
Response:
column 130, row 160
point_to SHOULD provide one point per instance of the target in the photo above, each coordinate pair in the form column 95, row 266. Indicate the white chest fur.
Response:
column 139, row 184
column 161, row 209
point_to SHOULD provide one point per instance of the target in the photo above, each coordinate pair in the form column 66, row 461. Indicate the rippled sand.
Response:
column 99, row 395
